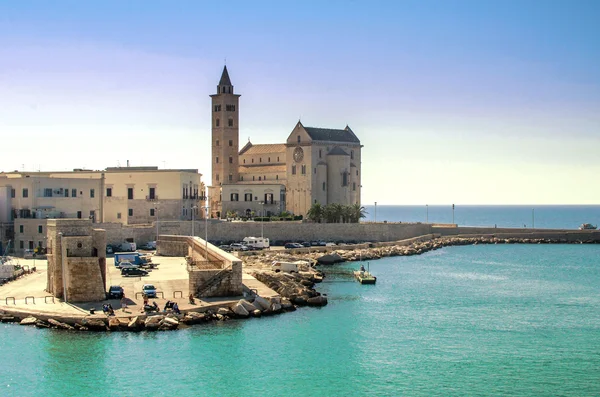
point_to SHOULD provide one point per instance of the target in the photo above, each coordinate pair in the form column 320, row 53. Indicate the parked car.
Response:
column 133, row 272
column 150, row 245
column 28, row 254
column 149, row 290
column 293, row 245
column 125, row 264
column 226, row 248
column 239, row 247
column 305, row 244
column 115, row 292
column 330, row 244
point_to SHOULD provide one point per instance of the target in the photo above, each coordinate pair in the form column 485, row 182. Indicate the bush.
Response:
column 298, row 217
column 262, row 219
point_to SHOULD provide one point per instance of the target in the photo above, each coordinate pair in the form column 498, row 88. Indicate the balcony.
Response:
column 152, row 198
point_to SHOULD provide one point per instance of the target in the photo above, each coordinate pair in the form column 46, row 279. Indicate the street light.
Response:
column 375, row 212
column 207, row 208
column 427, row 216
column 194, row 208
column 453, row 214
column 533, row 218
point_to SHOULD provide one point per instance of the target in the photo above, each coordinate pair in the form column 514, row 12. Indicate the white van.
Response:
column 128, row 247
column 279, row 266
column 256, row 242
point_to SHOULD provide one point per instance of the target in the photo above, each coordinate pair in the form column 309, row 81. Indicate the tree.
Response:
column 232, row 214
column 315, row 213
column 357, row 212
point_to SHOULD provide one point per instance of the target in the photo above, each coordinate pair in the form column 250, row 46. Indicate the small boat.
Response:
column 588, row 226
column 364, row 276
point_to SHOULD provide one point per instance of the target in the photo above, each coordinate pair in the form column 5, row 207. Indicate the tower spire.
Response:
column 225, row 78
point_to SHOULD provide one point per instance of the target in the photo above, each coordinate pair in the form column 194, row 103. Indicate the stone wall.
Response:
column 84, row 280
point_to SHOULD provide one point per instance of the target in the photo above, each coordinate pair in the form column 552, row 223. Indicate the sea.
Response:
column 483, row 320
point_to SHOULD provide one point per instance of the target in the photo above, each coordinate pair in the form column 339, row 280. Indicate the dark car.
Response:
column 115, row 292
column 293, row 245
column 133, row 272
column 225, row 248
column 305, row 244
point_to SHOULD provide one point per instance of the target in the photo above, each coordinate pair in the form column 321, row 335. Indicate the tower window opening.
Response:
column 230, row 122
column 217, row 122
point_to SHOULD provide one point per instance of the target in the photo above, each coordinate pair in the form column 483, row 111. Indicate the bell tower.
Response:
column 225, row 133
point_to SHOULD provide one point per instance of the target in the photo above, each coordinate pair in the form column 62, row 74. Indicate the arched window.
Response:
column 217, row 122
column 216, row 160
column 230, row 122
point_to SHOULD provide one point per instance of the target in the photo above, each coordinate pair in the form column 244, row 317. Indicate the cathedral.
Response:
column 314, row 165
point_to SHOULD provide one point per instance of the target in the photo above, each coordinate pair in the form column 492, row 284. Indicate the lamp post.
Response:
column 427, row 216
column 207, row 209
column 156, row 209
column 194, row 208
column 533, row 218
column 453, row 214
column 375, row 212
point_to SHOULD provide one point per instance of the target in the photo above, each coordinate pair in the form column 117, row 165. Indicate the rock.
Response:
column 133, row 323
column 298, row 300
column 330, row 259
column 153, row 320
column 171, row 321
column 28, row 321
column 256, row 313
column 247, row 305
column 168, row 323
column 42, row 324
column 191, row 318
column 240, row 310
column 317, row 301
column 60, row 325
column 224, row 311
column 113, row 323
column 9, row 319
column 94, row 324
column 261, row 303
column 221, row 317
column 286, row 304
column 276, row 307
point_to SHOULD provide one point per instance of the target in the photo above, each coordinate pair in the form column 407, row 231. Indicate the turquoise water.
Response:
column 512, row 320
column 540, row 216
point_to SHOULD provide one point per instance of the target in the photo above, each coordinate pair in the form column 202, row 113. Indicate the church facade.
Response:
column 314, row 165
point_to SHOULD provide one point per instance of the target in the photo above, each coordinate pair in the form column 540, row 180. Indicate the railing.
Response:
column 154, row 198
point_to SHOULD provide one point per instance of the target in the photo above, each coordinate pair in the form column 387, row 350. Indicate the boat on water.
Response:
column 588, row 226
column 364, row 276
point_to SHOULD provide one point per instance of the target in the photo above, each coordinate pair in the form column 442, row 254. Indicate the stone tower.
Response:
column 225, row 133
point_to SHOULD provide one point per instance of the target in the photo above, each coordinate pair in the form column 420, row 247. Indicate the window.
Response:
column 152, row 193
column 217, row 177
column 230, row 160
column 259, row 178
column 241, row 178
column 217, row 143
column 353, row 185
column 265, row 177
column 315, row 170
column 151, row 211
column 73, row 192
column 252, row 161
column 277, row 158
column 352, row 154
column 248, row 197
column 356, row 172
column 21, row 245
column 93, row 215
column 293, row 170
column 345, row 179
column 78, row 214
column 66, row 192
column 260, row 159
column 130, row 212
column 118, row 215
column 323, row 186
column 109, row 192
column 320, row 153
column 30, row 244
column 20, row 228
column 217, row 108
column 230, row 142
column 40, row 244
column 129, row 193
column 230, row 177
column 25, row 192
column 268, row 159
column 298, row 138
column 230, row 108
column 303, row 169
column 253, row 177
column 217, row 122
column 276, row 177
column 40, row 229
column 47, row 192
column 12, row 193
column 92, row 193
column 234, row 197
column 217, row 160
column 244, row 161
column 230, row 122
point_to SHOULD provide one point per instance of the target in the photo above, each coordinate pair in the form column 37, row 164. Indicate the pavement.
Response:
column 170, row 278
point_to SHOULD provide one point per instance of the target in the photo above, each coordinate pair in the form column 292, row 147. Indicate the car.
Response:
column 109, row 249
column 126, row 264
column 115, row 292
column 238, row 247
column 305, row 244
column 293, row 245
column 330, row 244
column 133, row 272
column 150, row 245
column 149, row 290
column 226, row 248
column 28, row 254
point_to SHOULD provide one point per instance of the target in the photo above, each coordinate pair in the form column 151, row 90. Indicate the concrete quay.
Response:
column 27, row 295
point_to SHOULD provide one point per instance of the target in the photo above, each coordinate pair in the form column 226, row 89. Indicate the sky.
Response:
column 466, row 102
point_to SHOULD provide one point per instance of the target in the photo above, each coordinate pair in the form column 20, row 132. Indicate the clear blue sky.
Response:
column 467, row 102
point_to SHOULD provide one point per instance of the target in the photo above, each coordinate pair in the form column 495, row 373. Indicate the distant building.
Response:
column 314, row 165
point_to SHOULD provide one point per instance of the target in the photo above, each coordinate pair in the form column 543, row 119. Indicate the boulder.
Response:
column 276, row 307
column 113, row 323
column 9, row 319
column 133, row 323
column 191, row 318
column 317, row 301
column 221, row 317
column 330, row 259
column 153, row 321
column 286, row 304
column 224, row 311
column 240, row 310
column 298, row 300
column 256, row 313
column 28, row 321
column 42, row 324
column 168, row 323
column 94, row 324
column 247, row 305
column 261, row 303
column 60, row 325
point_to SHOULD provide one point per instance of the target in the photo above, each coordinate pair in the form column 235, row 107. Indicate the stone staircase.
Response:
column 214, row 280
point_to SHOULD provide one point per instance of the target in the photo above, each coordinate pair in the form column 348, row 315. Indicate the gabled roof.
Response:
column 225, row 77
column 249, row 148
column 337, row 151
column 327, row 134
